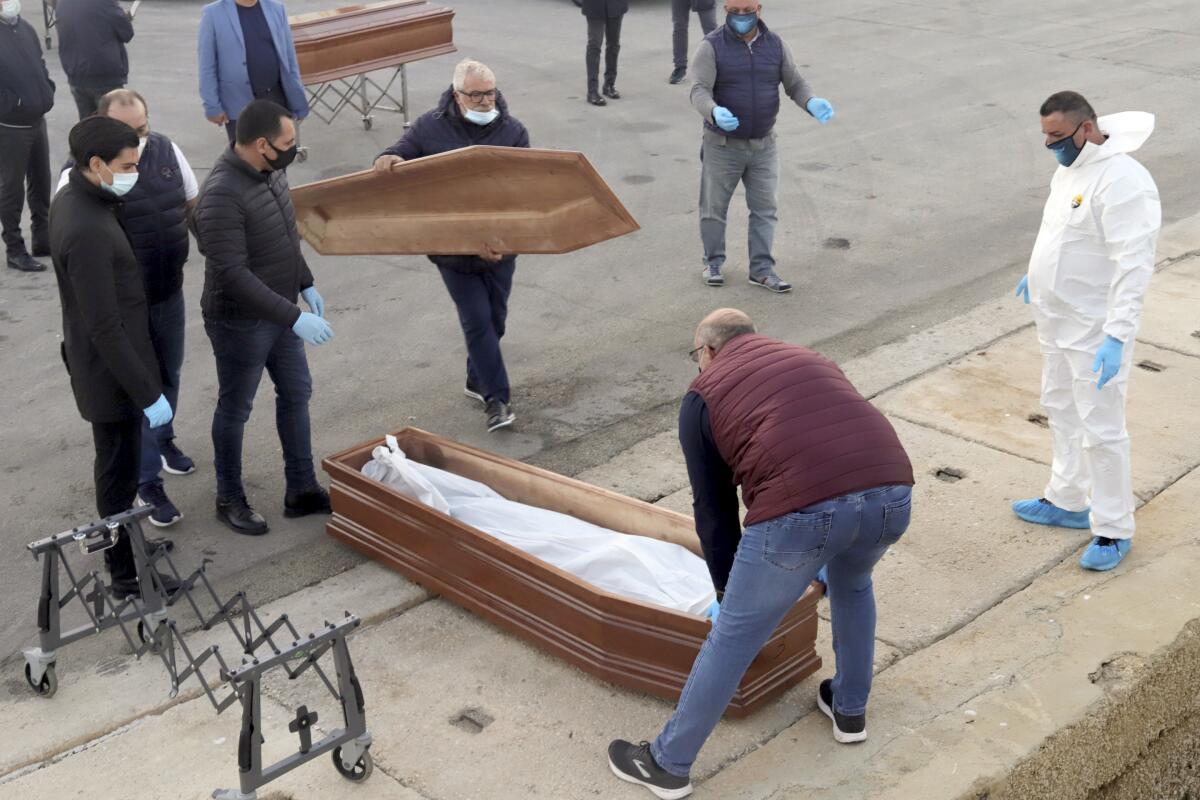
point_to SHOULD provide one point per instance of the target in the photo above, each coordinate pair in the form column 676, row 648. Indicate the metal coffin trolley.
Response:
column 338, row 50
column 155, row 631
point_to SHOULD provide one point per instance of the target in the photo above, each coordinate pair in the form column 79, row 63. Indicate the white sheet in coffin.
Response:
column 636, row 567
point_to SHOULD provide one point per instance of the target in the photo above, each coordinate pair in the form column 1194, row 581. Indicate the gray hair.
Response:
column 469, row 66
column 719, row 327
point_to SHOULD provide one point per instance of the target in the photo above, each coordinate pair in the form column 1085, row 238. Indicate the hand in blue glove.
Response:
column 160, row 413
column 312, row 329
column 1023, row 289
column 714, row 611
column 1108, row 360
column 820, row 108
column 314, row 300
column 725, row 119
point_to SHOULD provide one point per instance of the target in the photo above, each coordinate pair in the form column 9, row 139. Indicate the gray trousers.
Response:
column 681, row 16
column 726, row 163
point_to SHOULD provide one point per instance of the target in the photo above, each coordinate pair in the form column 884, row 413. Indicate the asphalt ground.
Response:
column 920, row 201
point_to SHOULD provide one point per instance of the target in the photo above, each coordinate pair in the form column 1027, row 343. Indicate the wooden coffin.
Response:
column 515, row 200
column 636, row 645
column 363, row 38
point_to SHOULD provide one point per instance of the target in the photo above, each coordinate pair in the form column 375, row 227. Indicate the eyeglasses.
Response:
column 694, row 355
column 475, row 97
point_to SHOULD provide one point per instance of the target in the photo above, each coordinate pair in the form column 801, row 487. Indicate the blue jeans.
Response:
column 776, row 561
column 167, row 321
column 482, row 303
column 243, row 348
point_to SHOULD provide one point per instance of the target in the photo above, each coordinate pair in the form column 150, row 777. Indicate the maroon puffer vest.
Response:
column 793, row 429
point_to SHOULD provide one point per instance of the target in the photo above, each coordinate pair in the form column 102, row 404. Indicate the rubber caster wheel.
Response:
column 302, row 155
column 367, row 123
column 49, row 683
column 153, row 643
column 362, row 770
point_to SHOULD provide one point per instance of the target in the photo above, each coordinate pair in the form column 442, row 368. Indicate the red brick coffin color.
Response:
column 632, row 644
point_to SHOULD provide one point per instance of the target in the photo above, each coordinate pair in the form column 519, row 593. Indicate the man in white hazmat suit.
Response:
column 1088, row 275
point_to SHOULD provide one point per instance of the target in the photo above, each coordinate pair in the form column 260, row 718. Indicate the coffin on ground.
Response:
column 632, row 644
column 514, row 200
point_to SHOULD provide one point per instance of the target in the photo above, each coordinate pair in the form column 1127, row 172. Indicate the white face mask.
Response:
column 10, row 9
column 482, row 117
column 122, row 183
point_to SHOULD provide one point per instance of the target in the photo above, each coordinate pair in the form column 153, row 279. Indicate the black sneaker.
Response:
column 846, row 730
column 240, row 517
column 174, row 461
column 165, row 513
column 677, row 75
column 122, row 588
column 633, row 763
column 310, row 501
column 472, row 391
column 499, row 415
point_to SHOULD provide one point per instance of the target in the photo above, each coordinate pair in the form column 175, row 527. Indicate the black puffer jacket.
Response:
column 106, row 328
column 246, row 227
column 444, row 129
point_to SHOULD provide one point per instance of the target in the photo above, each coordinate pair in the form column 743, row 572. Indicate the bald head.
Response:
column 715, row 330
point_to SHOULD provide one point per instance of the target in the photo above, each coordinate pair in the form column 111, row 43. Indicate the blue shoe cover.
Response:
column 1043, row 512
column 1104, row 554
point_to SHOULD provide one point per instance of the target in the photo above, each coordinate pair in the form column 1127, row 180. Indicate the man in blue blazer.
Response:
column 246, row 54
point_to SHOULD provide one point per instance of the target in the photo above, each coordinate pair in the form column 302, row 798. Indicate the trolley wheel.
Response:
column 49, row 683
column 362, row 770
column 367, row 122
column 155, row 646
column 49, row 43
column 302, row 154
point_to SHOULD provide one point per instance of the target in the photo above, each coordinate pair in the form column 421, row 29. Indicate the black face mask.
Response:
column 283, row 158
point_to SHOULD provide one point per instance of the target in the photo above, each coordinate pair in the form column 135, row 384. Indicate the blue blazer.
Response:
column 224, row 82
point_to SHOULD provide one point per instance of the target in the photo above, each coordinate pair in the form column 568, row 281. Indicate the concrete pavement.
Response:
column 1003, row 670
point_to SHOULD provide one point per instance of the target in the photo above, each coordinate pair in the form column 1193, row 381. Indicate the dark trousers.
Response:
column 598, row 31
column 25, row 173
column 681, row 11
column 87, row 99
column 116, row 474
column 482, row 303
column 166, row 331
column 243, row 348
column 275, row 94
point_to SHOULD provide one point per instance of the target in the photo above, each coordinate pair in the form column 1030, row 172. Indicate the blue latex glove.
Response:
column 1023, row 289
column 820, row 108
column 160, row 413
column 714, row 611
column 1108, row 360
column 312, row 329
column 314, row 300
column 725, row 119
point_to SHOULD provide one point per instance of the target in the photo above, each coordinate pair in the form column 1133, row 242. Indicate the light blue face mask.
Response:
column 1065, row 149
column 481, row 117
column 10, row 10
column 123, row 183
column 742, row 23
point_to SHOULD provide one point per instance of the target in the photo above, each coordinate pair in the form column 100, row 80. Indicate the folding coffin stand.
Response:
column 158, row 633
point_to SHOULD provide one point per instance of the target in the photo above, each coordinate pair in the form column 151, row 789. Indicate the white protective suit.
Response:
column 1088, row 275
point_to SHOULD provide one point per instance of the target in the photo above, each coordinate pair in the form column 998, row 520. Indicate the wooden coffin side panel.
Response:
column 524, row 483
column 515, row 200
column 632, row 644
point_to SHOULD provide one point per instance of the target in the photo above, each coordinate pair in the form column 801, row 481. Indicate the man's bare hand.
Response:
column 387, row 162
column 219, row 119
column 489, row 255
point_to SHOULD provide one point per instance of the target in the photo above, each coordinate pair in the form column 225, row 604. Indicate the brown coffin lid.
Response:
column 516, row 200
column 354, row 18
